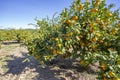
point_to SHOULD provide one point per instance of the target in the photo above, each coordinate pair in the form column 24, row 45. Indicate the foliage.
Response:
column 89, row 31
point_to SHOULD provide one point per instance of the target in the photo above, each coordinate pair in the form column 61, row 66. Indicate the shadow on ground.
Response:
column 55, row 70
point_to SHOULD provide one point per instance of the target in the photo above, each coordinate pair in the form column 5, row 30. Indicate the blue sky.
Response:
column 19, row 13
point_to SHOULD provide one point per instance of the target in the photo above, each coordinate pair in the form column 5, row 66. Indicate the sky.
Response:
column 19, row 13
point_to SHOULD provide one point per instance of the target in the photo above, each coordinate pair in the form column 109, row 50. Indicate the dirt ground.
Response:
column 12, row 67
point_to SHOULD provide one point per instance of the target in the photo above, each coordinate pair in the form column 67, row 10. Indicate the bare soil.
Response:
column 12, row 67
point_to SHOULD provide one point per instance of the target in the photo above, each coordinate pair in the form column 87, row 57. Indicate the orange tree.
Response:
column 1, row 37
column 89, row 31
column 7, row 34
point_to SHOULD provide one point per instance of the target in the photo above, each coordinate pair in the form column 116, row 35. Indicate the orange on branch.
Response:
column 97, row 3
column 69, row 22
column 94, row 10
column 54, row 51
column 80, row 7
column 111, row 74
column 59, row 52
column 75, row 18
column 109, row 14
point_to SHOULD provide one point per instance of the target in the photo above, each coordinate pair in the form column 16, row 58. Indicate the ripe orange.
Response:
column 109, row 14
column 98, row 20
column 91, row 30
column 101, row 41
column 97, row 3
column 80, row 7
column 69, row 22
column 54, row 51
column 105, row 78
column 75, row 18
column 94, row 10
column 91, row 24
column 112, row 74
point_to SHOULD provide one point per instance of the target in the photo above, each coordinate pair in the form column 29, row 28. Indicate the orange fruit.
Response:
column 112, row 74
column 80, row 7
column 54, row 51
column 98, row 20
column 97, row 3
column 59, row 52
column 56, row 39
column 69, row 22
column 59, row 45
column 91, row 24
column 101, row 41
column 94, row 10
column 75, row 18
column 105, row 78
column 104, row 65
column 109, row 14
column 116, row 78
column 91, row 30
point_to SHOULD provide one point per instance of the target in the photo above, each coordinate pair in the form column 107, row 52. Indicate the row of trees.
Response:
column 19, row 35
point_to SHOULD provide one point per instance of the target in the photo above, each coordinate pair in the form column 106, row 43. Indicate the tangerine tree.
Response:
column 88, row 31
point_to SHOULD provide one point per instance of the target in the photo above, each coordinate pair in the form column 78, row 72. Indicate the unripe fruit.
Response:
column 59, row 45
column 111, row 74
column 104, row 65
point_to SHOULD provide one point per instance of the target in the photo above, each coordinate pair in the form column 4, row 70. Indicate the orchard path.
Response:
column 12, row 67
